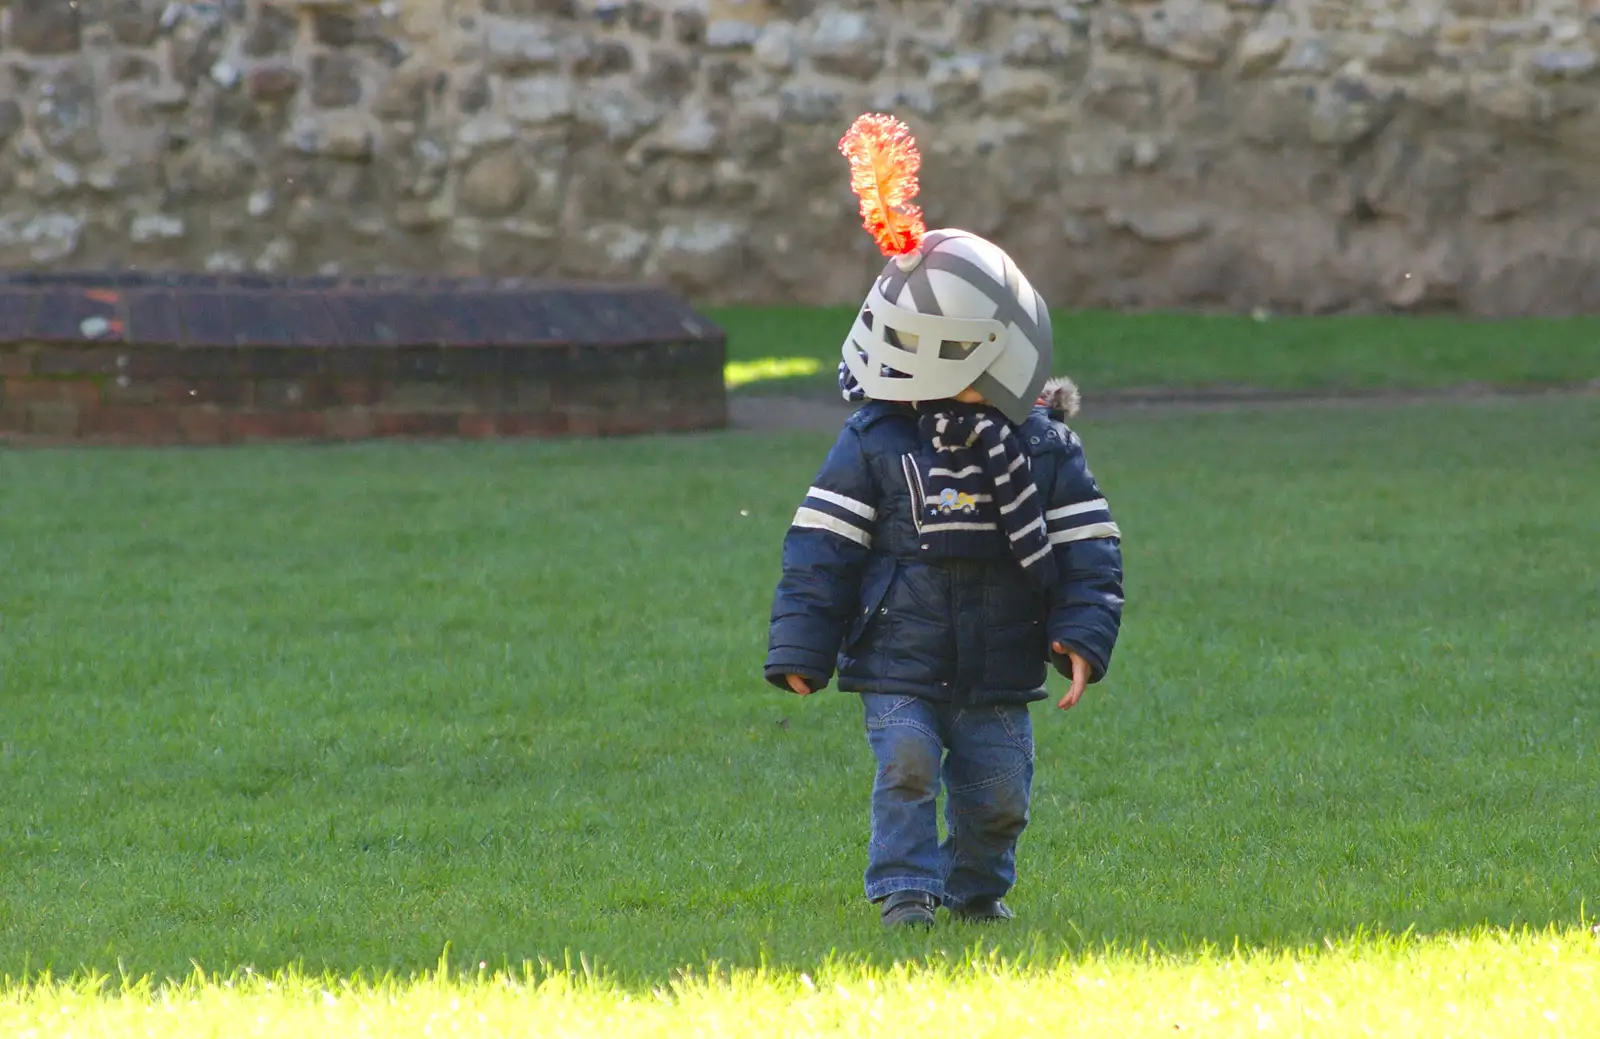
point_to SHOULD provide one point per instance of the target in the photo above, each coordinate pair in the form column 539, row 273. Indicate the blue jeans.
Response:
column 987, row 775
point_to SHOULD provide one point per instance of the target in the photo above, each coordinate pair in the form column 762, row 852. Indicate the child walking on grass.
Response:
column 952, row 547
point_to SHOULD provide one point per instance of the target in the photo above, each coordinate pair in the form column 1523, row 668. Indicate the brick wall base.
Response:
column 84, row 374
column 132, row 398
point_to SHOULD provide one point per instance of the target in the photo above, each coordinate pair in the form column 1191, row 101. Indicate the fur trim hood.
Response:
column 1061, row 396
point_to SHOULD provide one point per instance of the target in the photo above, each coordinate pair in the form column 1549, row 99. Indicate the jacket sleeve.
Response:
column 824, row 555
column 1086, row 603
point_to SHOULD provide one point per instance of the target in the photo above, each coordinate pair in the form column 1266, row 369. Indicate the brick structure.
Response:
column 142, row 358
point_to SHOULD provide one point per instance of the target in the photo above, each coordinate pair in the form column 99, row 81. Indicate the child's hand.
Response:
column 798, row 684
column 1080, row 676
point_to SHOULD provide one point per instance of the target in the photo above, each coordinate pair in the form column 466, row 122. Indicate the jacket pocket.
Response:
column 879, row 708
column 875, row 585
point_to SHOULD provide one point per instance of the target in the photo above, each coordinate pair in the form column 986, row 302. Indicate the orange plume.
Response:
column 883, row 173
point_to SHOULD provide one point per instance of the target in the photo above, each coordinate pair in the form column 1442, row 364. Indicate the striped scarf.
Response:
column 849, row 388
column 983, row 487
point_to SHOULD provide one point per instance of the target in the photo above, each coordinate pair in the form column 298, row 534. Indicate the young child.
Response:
column 953, row 545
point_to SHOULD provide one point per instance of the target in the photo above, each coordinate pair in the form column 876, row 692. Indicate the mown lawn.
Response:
column 345, row 707
column 1117, row 351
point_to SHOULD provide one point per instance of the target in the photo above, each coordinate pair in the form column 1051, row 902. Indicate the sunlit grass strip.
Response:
column 1105, row 350
column 767, row 369
column 1487, row 983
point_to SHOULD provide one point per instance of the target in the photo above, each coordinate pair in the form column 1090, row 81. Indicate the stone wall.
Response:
column 1299, row 155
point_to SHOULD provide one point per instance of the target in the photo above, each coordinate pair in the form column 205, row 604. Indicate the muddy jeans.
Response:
column 987, row 776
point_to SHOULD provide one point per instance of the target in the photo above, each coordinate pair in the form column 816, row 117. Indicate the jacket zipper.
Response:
column 919, row 499
column 908, row 465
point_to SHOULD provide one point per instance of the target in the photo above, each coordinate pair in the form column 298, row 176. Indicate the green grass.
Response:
column 1484, row 985
column 344, row 707
column 1116, row 351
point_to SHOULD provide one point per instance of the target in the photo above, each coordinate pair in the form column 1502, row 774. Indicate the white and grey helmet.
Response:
column 956, row 313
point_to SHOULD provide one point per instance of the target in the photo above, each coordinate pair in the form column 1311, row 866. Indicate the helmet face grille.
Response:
column 953, row 351
column 949, row 349
column 963, row 316
column 898, row 343
column 885, row 371
column 906, row 341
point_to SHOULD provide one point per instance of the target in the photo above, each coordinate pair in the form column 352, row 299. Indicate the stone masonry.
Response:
column 1297, row 155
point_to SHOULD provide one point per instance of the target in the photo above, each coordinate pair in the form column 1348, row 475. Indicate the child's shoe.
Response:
column 982, row 911
column 909, row 908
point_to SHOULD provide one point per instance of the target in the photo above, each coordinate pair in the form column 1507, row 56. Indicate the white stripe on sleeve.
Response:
column 1093, row 530
column 1098, row 505
column 861, row 509
column 811, row 519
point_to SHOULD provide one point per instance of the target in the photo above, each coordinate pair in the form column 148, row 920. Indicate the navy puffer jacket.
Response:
column 856, row 596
